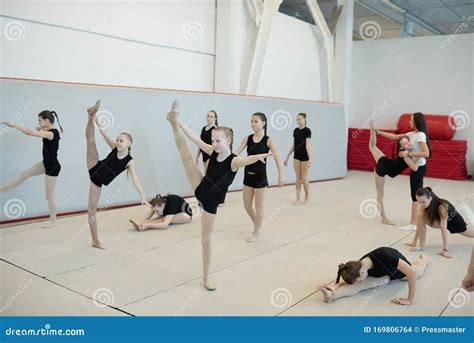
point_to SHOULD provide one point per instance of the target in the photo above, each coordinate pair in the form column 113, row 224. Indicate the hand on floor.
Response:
column 401, row 301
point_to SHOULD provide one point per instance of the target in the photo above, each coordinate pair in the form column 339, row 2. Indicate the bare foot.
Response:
column 92, row 111
column 173, row 113
column 137, row 226
column 327, row 292
column 48, row 225
column 99, row 245
column 387, row 221
column 297, row 202
column 209, row 285
column 411, row 244
column 253, row 238
column 420, row 248
column 372, row 125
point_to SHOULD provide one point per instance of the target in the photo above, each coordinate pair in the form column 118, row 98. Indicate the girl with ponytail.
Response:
column 49, row 166
column 375, row 269
column 439, row 214
column 206, row 134
column 421, row 149
column 255, row 179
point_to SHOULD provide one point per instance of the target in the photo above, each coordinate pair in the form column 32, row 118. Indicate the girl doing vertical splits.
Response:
column 49, row 166
column 103, row 172
column 419, row 140
column 210, row 188
column 376, row 269
column 301, row 150
column 386, row 166
column 170, row 209
column 439, row 214
column 255, row 179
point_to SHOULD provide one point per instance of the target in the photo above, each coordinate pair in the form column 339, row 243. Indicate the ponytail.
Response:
column 50, row 116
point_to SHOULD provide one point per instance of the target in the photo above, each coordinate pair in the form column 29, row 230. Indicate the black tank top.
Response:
column 112, row 166
column 50, row 147
column 456, row 222
column 256, row 149
column 219, row 175
column 206, row 137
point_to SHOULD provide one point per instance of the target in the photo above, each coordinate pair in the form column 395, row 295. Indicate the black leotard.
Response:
column 256, row 173
column 50, row 154
column 206, row 136
column 299, row 142
column 108, row 169
column 385, row 263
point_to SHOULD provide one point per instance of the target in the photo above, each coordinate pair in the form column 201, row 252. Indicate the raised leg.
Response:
column 92, row 153
column 35, row 170
column 376, row 152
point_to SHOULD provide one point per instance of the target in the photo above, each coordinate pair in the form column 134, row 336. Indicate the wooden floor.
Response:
column 56, row 272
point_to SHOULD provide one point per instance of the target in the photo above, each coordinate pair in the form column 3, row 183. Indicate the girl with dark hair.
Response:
column 170, row 209
column 439, row 214
column 376, row 269
column 49, row 166
column 206, row 136
column 387, row 166
column 301, row 150
column 103, row 172
column 255, row 179
column 210, row 188
column 419, row 140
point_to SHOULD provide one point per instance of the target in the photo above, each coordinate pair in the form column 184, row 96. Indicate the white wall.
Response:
column 425, row 74
column 165, row 44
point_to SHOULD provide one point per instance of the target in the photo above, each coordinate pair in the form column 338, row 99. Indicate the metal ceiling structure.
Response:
column 397, row 18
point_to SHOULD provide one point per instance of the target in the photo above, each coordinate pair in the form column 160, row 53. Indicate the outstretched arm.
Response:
column 29, row 132
column 207, row 148
column 239, row 162
column 389, row 135
column 103, row 132
column 241, row 147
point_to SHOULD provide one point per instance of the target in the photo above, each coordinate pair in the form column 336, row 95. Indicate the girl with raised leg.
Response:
column 103, row 172
column 49, row 166
column 210, row 188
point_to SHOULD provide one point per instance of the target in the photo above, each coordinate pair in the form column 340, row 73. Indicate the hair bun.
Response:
column 341, row 266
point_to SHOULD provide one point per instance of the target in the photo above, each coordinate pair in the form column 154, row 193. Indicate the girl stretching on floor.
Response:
column 387, row 166
column 103, row 172
column 255, row 179
column 210, row 188
column 375, row 269
column 439, row 214
column 49, row 166
column 170, row 209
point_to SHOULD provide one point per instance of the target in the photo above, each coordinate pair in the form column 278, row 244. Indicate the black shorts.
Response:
column 387, row 166
column 208, row 201
column 302, row 158
column 94, row 174
column 416, row 181
column 255, row 180
column 205, row 157
column 52, row 168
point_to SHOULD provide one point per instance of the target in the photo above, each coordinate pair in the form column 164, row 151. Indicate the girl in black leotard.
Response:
column 169, row 209
column 206, row 134
column 49, row 166
column 387, row 166
column 376, row 269
column 255, row 179
column 103, row 172
column 301, row 149
column 210, row 188
column 439, row 214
